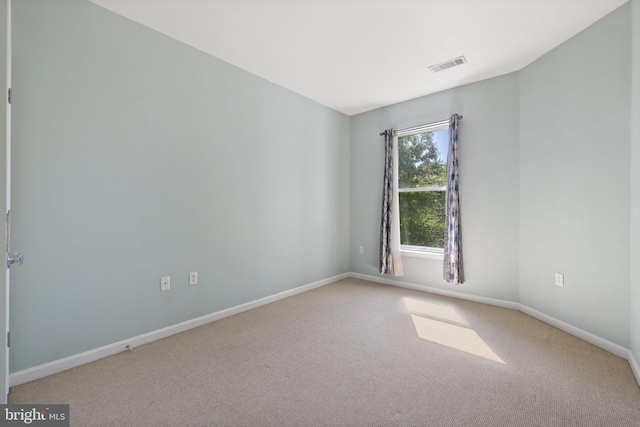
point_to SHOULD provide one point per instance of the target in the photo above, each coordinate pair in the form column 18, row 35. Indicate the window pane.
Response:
column 422, row 218
column 422, row 159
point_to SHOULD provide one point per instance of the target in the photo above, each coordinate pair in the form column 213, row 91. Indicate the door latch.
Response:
column 14, row 258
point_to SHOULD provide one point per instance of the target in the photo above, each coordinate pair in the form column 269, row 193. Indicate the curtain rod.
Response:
column 421, row 126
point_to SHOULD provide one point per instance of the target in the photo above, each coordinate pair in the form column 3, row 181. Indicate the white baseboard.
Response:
column 571, row 330
column 614, row 348
column 438, row 291
column 56, row 366
column 634, row 366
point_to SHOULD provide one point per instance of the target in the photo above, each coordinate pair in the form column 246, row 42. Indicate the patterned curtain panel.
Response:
column 390, row 259
column 452, row 240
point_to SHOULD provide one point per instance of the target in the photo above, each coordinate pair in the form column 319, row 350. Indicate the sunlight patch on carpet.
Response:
column 453, row 336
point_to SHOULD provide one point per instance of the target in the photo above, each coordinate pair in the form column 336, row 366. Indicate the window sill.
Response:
column 422, row 254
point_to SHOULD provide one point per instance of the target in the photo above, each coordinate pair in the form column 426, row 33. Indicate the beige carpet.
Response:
column 350, row 354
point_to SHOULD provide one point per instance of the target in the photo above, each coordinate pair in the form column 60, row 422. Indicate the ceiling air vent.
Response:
column 448, row 64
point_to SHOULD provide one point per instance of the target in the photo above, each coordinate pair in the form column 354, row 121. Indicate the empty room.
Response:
column 321, row 212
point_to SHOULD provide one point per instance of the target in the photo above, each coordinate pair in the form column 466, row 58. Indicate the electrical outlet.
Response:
column 165, row 283
column 193, row 278
column 361, row 249
column 560, row 279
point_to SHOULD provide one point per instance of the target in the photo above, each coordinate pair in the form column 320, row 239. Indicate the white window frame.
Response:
column 423, row 251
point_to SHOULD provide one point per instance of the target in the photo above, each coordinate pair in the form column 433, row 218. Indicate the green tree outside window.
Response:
column 422, row 188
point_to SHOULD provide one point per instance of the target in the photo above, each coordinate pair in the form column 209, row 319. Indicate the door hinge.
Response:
column 9, row 96
column 8, row 339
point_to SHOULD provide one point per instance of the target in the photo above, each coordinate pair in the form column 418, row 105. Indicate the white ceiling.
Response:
column 358, row 55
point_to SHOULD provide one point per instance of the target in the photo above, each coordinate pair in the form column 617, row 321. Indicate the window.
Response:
column 422, row 167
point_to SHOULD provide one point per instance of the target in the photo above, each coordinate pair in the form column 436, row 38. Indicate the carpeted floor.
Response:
column 354, row 353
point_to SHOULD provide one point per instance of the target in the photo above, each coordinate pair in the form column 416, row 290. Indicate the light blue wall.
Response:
column 635, row 180
column 138, row 157
column 575, row 179
column 489, row 174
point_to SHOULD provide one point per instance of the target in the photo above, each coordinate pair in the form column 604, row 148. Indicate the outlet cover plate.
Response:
column 193, row 278
column 165, row 283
